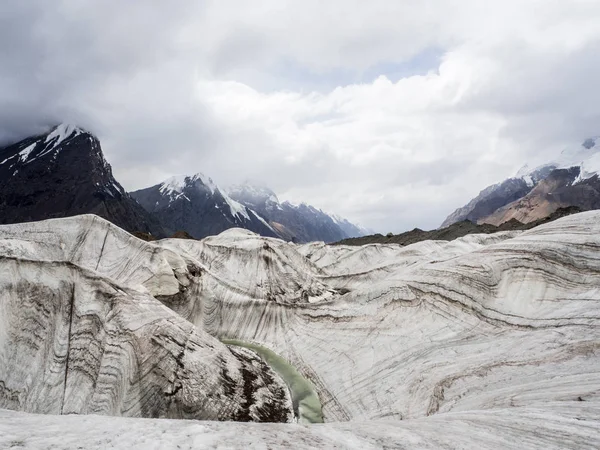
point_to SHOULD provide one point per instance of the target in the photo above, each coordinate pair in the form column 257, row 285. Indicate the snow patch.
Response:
column 24, row 154
column 262, row 220
column 174, row 186
column 589, row 168
column 60, row 134
column 523, row 171
column 117, row 187
column 10, row 157
column 237, row 209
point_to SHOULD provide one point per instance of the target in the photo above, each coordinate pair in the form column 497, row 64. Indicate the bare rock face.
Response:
column 489, row 200
column 63, row 173
column 560, row 189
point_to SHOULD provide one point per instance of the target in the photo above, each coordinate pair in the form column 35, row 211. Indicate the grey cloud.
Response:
column 129, row 72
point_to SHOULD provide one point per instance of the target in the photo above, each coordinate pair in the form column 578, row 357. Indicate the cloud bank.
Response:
column 389, row 113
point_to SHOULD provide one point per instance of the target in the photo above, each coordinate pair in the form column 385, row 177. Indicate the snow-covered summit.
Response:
column 61, row 173
column 33, row 148
column 175, row 188
column 62, row 132
column 177, row 183
column 197, row 205
column 586, row 156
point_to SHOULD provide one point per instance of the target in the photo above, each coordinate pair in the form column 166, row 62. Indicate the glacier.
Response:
column 487, row 341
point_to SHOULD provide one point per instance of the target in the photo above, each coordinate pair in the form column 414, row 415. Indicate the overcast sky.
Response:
column 391, row 113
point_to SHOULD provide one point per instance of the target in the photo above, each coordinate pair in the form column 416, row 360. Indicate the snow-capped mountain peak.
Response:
column 569, row 179
column 175, row 188
column 61, row 173
column 177, row 183
column 199, row 206
column 298, row 222
column 586, row 156
column 33, row 148
column 196, row 204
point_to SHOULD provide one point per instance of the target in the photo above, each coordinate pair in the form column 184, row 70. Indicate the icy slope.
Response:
column 96, row 244
column 80, row 332
column 564, row 427
column 242, row 265
column 482, row 342
column 482, row 322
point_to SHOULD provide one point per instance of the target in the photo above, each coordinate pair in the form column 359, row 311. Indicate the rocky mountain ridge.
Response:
column 64, row 173
column 196, row 205
column 456, row 230
column 570, row 179
column 299, row 223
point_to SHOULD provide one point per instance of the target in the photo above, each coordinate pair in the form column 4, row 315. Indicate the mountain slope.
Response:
column 568, row 180
column 497, row 196
column 63, row 173
column 196, row 205
column 350, row 229
column 300, row 223
column 573, row 181
column 559, row 190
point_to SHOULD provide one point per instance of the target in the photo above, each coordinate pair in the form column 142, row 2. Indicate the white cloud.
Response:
column 176, row 88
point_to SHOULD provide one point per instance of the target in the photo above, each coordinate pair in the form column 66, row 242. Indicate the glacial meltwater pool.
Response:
column 307, row 406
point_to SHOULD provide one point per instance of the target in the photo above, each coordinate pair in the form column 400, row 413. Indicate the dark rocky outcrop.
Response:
column 63, row 173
